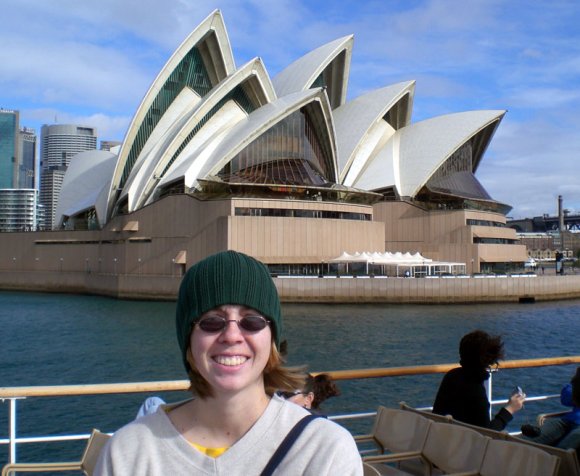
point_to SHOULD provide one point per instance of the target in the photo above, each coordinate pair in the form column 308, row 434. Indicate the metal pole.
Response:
column 489, row 389
column 12, row 430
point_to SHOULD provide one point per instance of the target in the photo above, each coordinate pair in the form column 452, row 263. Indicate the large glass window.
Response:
column 494, row 241
column 471, row 221
column 287, row 212
column 290, row 153
column 460, row 161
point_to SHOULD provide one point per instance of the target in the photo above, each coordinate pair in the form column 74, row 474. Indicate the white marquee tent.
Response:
column 530, row 263
column 415, row 263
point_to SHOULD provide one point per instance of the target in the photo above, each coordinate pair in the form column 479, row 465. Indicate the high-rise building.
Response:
column 59, row 143
column 9, row 147
column 18, row 209
column 109, row 144
column 50, row 186
column 27, row 168
column 18, row 193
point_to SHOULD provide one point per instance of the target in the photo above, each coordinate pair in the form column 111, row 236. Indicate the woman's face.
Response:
column 231, row 360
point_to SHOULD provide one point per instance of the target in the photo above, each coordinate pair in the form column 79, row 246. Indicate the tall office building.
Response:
column 18, row 194
column 18, row 209
column 9, row 147
column 59, row 143
column 26, row 163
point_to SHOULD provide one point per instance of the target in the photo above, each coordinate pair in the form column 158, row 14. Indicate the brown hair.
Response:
column 322, row 387
column 276, row 376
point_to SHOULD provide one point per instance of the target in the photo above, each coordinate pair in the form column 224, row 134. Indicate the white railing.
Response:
column 13, row 394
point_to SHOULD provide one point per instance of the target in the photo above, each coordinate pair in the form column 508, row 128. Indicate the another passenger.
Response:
column 149, row 406
column 462, row 393
column 315, row 391
column 563, row 431
column 229, row 326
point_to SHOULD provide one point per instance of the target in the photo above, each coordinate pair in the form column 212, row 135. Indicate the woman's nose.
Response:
column 232, row 329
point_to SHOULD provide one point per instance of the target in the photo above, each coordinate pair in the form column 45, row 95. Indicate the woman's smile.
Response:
column 230, row 360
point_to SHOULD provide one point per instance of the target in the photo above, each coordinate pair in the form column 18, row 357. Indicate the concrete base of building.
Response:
column 429, row 291
column 313, row 290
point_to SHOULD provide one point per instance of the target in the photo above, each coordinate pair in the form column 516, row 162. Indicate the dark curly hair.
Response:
column 323, row 388
column 480, row 350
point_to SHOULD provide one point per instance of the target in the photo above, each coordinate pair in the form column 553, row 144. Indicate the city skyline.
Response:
column 91, row 64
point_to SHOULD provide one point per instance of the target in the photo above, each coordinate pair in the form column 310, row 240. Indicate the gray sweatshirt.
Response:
column 152, row 446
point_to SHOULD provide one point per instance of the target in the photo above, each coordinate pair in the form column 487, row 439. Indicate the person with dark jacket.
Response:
column 462, row 393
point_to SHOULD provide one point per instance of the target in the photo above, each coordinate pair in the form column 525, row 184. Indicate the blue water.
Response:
column 52, row 339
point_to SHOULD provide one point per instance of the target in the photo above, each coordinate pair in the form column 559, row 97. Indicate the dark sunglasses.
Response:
column 213, row 324
column 287, row 395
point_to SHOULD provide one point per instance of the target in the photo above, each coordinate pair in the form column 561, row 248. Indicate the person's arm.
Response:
column 506, row 414
column 501, row 419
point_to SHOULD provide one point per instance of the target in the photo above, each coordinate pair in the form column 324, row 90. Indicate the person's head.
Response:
column 316, row 390
column 299, row 397
column 230, row 286
column 479, row 350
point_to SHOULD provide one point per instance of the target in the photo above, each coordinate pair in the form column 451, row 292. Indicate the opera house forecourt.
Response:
column 220, row 156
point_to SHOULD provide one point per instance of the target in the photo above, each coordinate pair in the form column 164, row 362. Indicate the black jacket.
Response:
column 462, row 395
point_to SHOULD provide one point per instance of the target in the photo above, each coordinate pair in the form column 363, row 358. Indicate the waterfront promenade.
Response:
column 315, row 289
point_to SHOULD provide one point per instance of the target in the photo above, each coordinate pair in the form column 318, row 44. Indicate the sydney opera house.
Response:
column 220, row 156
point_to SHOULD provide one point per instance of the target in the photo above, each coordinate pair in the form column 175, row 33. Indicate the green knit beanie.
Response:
column 228, row 277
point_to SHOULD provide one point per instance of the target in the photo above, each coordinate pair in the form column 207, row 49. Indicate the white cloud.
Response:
column 530, row 163
column 541, row 98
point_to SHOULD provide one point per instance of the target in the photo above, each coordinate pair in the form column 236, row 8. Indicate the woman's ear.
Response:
column 308, row 399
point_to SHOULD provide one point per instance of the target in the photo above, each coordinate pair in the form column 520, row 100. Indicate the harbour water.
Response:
column 52, row 339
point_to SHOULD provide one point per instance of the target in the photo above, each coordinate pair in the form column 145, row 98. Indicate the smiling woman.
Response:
column 229, row 326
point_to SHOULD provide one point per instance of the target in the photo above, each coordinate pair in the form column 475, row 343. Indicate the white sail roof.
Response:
column 182, row 139
column 212, row 41
column 415, row 152
column 249, row 129
column 201, row 112
column 361, row 128
column 302, row 74
column 86, row 184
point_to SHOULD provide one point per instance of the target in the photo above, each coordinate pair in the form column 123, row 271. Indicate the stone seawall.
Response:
column 130, row 286
column 313, row 290
column 440, row 290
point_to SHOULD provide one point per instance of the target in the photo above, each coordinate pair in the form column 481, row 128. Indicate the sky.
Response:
column 91, row 63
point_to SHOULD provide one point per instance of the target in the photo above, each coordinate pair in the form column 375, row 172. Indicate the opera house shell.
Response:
column 220, row 156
